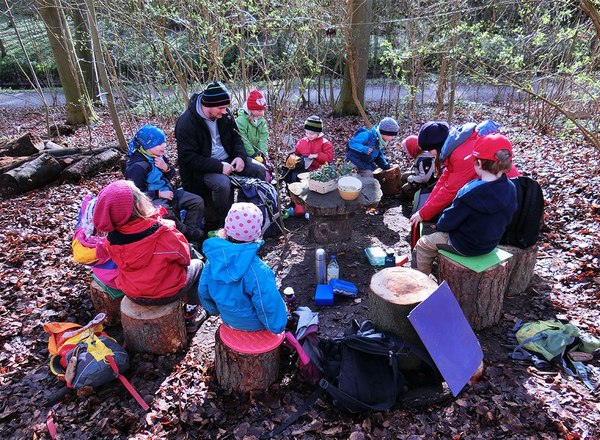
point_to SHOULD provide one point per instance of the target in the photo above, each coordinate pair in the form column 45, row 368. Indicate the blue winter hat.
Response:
column 146, row 137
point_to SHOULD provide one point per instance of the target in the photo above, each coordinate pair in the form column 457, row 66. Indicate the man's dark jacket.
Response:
column 194, row 146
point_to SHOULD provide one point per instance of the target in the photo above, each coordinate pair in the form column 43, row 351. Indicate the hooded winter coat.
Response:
column 479, row 215
column 237, row 284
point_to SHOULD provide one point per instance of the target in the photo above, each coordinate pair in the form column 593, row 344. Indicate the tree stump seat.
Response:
column 480, row 294
column 389, row 180
column 153, row 329
column 330, row 216
column 393, row 293
column 521, row 267
column 107, row 301
column 246, row 361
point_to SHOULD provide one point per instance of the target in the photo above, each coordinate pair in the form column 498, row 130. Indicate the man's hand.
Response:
column 166, row 195
column 416, row 219
column 161, row 164
column 238, row 164
column 227, row 168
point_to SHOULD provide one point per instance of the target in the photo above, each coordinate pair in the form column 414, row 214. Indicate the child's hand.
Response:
column 166, row 195
column 313, row 156
column 369, row 151
column 161, row 164
column 416, row 219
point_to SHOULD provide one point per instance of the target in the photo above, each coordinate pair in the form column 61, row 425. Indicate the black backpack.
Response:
column 524, row 228
column 263, row 195
column 361, row 371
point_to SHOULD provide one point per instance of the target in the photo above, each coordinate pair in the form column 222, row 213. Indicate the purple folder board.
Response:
column 441, row 324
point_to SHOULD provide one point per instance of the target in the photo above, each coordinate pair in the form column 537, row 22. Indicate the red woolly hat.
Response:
column 256, row 101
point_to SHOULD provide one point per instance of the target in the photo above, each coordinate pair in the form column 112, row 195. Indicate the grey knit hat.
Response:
column 388, row 126
column 313, row 123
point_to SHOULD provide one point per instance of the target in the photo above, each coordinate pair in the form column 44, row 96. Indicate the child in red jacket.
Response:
column 311, row 152
column 152, row 257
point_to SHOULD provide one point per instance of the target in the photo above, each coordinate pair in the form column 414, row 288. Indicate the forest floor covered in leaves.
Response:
column 39, row 282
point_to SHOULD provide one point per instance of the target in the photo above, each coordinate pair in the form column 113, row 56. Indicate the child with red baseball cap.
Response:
column 482, row 209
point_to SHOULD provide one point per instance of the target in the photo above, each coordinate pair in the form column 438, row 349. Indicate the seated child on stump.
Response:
column 151, row 172
column 422, row 171
column 235, row 282
column 475, row 222
column 153, row 258
column 311, row 152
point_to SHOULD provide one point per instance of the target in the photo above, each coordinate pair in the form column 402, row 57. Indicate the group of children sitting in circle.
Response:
column 133, row 237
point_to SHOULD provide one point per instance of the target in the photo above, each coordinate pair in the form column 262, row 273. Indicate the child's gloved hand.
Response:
column 487, row 127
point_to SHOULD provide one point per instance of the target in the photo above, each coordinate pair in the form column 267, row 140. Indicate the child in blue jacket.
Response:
column 475, row 222
column 151, row 172
column 235, row 282
column 366, row 148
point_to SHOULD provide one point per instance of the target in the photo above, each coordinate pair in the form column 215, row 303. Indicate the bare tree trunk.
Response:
column 79, row 106
column 84, row 50
column 352, row 95
column 442, row 85
column 101, row 67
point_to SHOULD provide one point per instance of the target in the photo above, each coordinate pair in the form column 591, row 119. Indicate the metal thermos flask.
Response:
column 321, row 271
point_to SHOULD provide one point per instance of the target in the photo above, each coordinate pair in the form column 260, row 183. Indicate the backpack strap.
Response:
column 295, row 416
column 127, row 384
column 350, row 401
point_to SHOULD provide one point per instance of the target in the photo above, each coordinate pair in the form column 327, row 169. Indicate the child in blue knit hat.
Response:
column 366, row 148
column 151, row 172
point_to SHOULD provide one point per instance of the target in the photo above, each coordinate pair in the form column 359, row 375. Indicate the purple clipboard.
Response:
column 441, row 324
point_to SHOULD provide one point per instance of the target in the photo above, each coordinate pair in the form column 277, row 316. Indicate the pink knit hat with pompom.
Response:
column 114, row 206
column 244, row 222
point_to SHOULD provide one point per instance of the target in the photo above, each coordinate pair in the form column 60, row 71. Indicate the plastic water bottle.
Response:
column 390, row 258
column 333, row 269
column 289, row 296
column 320, row 266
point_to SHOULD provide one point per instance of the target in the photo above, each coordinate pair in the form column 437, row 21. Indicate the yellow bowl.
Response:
column 349, row 187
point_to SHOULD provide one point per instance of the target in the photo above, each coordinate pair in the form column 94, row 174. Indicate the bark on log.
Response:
column 153, row 329
column 521, row 267
column 243, row 372
column 480, row 295
column 393, row 293
column 33, row 174
column 89, row 166
column 54, row 146
column 389, row 180
column 104, row 303
column 26, row 145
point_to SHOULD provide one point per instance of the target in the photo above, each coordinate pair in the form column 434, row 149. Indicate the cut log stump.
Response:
column 30, row 175
column 520, row 267
column 389, row 180
column 393, row 293
column 243, row 372
column 153, row 329
column 480, row 295
column 104, row 303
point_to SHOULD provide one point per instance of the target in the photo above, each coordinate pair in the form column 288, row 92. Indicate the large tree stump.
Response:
column 244, row 372
column 153, row 329
column 34, row 174
column 393, row 293
column 330, row 229
column 104, row 303
column 480, row 295
column 389, row 180
column 520, row 267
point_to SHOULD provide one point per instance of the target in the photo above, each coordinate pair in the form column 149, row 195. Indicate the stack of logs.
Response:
column 28, row 163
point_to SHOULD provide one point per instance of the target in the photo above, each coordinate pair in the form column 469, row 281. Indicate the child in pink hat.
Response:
column 235, row 282
column 154, row 265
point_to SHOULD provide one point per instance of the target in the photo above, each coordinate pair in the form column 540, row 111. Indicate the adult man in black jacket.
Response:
column 210, row 148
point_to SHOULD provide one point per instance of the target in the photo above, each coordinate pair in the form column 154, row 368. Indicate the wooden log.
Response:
column 521, row 267
column 480, row 295
column 153, row 329
column 331, row 229
column 243, row 372
column 90, row 166
column 33, row 174
column 389, row 180
column 393, row 293
column 104, row 303
column 25, row 145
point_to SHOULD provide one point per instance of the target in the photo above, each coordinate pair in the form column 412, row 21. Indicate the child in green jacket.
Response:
column 253, row 126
